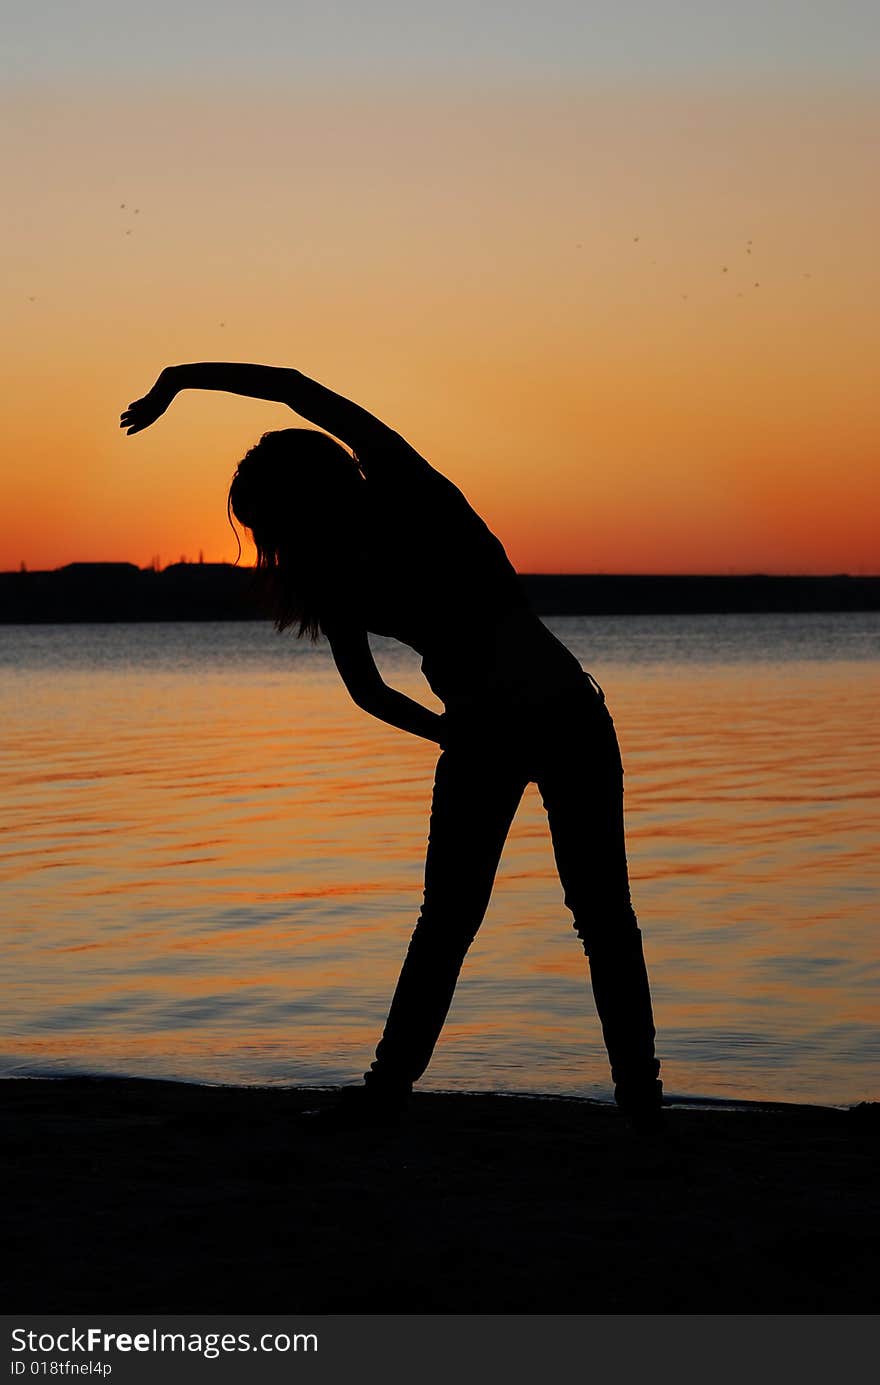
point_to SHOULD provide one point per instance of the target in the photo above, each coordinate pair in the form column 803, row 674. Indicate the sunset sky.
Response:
column 612, row 267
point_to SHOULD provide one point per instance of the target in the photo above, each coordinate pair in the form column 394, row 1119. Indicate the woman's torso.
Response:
column 434, row 576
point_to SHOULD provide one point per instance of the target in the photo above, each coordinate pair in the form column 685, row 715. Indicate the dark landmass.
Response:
column 219, row 591
column 138, row 1196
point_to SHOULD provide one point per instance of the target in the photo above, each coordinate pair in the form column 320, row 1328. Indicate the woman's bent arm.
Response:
column 396, row 709
column 357, row 668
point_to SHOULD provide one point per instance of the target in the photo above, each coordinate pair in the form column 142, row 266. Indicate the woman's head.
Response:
column 297, row 491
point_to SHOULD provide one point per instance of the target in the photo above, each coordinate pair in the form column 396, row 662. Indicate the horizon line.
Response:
column 24, row 570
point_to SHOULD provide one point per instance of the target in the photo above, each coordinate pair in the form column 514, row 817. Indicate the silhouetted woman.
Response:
column 380, row 541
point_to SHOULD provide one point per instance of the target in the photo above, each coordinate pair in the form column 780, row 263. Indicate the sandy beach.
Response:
column 128, row 1195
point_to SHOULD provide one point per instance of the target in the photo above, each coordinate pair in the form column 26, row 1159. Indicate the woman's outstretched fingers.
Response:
column 142, row 412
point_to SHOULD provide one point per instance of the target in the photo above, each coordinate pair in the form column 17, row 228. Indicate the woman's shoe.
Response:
column 642, row 1105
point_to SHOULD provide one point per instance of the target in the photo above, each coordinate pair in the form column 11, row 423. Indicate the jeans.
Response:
column 568, row 746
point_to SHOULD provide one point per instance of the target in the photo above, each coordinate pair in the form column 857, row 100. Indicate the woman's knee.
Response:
column 442, row 932
column 607, row 929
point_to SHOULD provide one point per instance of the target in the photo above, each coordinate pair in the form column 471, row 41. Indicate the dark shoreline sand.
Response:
column 126, row 1195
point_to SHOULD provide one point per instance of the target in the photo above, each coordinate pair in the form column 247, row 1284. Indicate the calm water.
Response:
column 211, row 861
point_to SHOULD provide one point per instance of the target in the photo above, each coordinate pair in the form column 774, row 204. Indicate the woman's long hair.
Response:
column 296, row 491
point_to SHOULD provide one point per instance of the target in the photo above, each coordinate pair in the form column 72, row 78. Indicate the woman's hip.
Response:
column 528, row 737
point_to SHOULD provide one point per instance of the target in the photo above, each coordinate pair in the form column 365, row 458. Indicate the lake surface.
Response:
column 211, row 861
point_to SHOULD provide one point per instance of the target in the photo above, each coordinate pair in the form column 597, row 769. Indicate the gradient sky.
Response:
column 613, row 268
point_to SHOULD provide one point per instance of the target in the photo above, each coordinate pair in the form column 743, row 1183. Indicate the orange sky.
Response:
column 467, row 267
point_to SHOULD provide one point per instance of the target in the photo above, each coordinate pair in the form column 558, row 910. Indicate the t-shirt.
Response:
column 436, row 578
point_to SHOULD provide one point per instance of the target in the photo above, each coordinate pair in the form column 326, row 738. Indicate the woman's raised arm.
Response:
column 330, row 411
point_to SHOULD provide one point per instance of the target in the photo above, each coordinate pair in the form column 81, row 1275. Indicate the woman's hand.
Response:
column 143, row 412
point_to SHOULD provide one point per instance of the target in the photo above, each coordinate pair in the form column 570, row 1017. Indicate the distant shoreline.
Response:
column 111, row 592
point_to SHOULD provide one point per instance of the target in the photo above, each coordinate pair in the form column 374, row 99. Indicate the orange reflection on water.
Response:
column 214, row 873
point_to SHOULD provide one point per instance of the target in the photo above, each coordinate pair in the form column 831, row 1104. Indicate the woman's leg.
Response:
column 476, row 793
column 581, row 783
